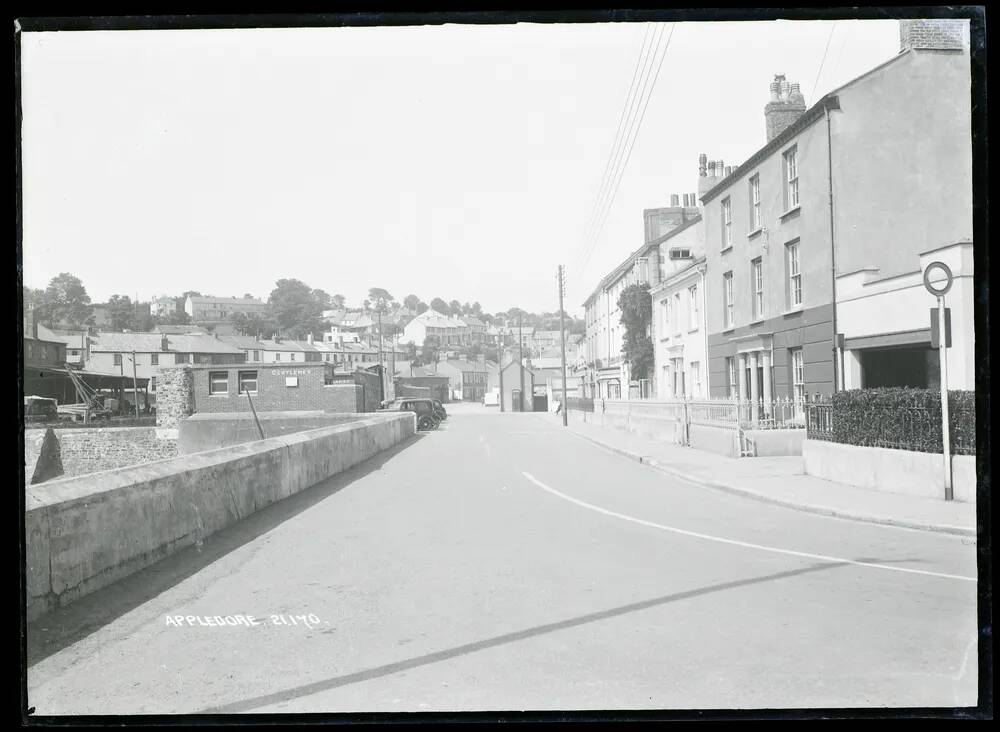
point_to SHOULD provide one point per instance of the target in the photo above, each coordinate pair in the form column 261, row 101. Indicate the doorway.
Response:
column 515, row 400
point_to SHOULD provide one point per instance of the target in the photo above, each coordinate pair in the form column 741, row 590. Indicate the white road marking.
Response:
column 734, row 542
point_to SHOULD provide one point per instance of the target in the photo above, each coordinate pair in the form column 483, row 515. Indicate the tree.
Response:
column 411, row 353
column 254, row 324
column 325, row 301
column 454, row 307
column 338, row 301
column 636, row 306
column 477, row 309
column 439, row 305
column 295, row 309
column 429, row 352
column 422, row 308
column 410, row 302
column 177, row 317
column 65, row 301
column 121, row 312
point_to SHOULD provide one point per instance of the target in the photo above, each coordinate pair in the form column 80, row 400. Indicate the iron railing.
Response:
column 581, row 404
column 721, row 412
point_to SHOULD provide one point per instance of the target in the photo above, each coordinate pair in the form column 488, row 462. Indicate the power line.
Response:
column 628, row 156
column 591, row 234
column 823, row 61
column 631, row 120
column 626, row 104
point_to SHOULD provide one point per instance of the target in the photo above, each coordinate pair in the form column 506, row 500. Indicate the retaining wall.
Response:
column 774, row 443
column 85, row 533
column 893, row 471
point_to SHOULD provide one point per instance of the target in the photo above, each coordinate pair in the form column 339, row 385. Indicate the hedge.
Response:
column 904, row 419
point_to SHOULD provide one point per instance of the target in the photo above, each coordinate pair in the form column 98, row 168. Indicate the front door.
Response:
column 515, row 400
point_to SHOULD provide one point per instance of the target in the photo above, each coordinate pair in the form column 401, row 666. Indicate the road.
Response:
column 502, row 563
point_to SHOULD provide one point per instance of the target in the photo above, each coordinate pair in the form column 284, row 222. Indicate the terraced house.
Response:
column 867, row 180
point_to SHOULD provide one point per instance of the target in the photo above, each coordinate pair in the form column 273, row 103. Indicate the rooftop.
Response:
column 153, row 343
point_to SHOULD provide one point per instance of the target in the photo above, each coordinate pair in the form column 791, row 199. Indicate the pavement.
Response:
column 500, row 563
column 780, row 480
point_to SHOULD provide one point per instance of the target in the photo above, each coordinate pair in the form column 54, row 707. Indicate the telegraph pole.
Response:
column 135, row 387
column 562, row 334
column 520, row 356
column 500, row 369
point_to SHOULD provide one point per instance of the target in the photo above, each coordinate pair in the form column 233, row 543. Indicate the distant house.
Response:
column 214, row 313
column 518, row 388
column 115, row 354
column 450, row 331
column 468, row 379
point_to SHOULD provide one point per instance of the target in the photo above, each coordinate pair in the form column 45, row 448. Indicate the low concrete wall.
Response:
column 720, row 440
column 92, row 450
column 893, row 471
column 88, row 532
column 208, row 431
column 773, row 443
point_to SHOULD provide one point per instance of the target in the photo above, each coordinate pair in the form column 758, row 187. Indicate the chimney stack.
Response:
column 787, row 105
column 164, row 343
column 309, row 339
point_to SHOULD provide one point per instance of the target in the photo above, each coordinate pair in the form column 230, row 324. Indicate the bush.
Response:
column 904, row 419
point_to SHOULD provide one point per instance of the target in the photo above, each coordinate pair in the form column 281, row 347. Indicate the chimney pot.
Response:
column 729, row 170
column 711, row 169
column 673, row 199
column 702, row 159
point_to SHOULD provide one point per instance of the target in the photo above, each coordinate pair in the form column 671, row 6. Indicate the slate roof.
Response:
column 152, row 343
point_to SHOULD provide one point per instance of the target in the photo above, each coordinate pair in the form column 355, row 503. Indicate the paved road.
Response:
column 502, row 563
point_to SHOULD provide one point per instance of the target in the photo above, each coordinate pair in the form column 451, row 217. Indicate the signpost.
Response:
column 939, row 288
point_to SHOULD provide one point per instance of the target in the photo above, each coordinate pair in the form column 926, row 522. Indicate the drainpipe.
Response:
column 832, row 103
column 703, row 271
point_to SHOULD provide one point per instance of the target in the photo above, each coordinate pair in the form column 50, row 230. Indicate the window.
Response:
column 665, row 313
column 731, row 376
column 277, row 356
column 677, row 312
column 791, row 179
column 182, row 358
column 755, row 220
column 218, row 382
column 729, row 308
column 248, row 382
column 118, row 359
column 794, row 274
column 757, row 287
column 154, row 359
column 798, row 381
column 152, row 383
column 727, row 223
column 256, row 355
column 291, row 356
column 695, row 378
column 693, row 307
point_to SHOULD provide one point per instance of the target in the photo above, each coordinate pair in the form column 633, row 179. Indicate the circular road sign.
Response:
column 937, row 288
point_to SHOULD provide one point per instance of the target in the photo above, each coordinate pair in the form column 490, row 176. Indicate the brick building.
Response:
column 185, row 390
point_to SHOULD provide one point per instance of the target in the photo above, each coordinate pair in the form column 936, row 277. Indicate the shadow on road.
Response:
column 450, row 653
column 62, row 627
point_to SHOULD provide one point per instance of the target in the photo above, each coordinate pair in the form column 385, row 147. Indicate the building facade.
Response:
column 871, row 176
column 678, row 314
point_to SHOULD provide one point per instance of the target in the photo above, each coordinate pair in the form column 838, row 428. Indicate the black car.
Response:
column 423, row 408
column 439, row 409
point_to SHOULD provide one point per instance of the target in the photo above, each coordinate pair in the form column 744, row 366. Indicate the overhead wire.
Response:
column 636, row 128
column 823, row 61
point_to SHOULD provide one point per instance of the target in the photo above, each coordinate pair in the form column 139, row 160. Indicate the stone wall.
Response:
column 84, row 451
column 82, row 534
column 174, row 396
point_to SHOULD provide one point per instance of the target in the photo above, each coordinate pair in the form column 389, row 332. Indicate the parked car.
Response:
column 491, row 399
column 439, row 410
column 423, row 408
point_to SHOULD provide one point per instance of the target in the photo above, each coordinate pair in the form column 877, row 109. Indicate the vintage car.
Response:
column 439, row 410
column 423, row 408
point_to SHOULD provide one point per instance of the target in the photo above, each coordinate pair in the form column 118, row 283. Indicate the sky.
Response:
column 455, row 161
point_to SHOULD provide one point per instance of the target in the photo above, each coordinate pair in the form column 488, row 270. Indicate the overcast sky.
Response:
column 452, row 161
